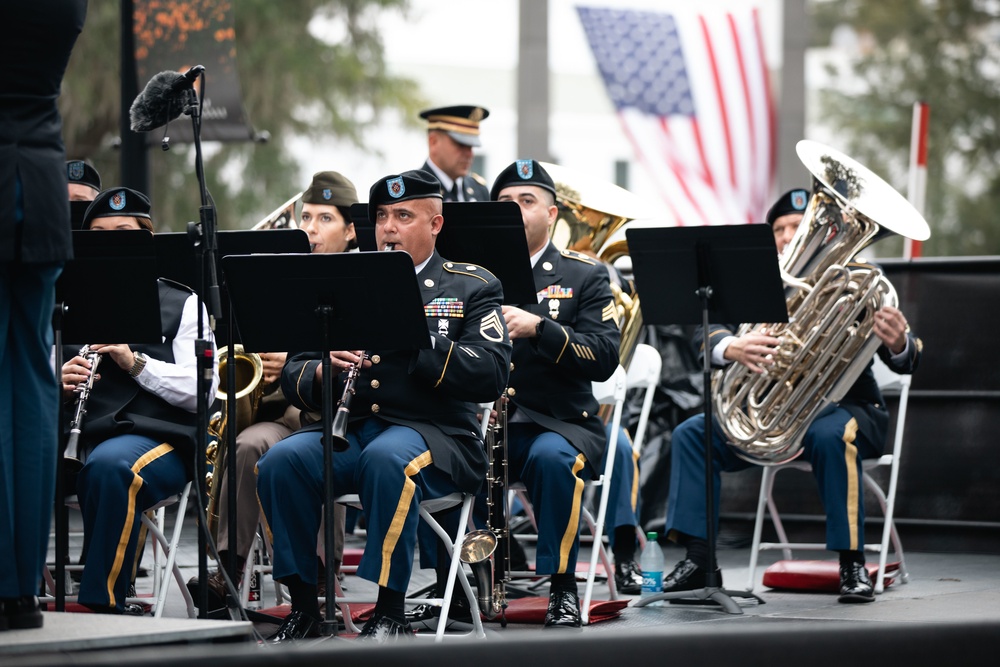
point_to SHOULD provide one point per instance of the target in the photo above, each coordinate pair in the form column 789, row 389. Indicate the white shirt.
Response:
column 446, row 181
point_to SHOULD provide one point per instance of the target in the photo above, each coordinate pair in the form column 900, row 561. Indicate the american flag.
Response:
column 693, row 97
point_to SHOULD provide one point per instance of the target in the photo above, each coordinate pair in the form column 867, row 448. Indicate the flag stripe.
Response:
column 693, row 98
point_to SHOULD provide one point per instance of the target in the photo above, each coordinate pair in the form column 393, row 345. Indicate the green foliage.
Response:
column 943, row 52
column 295, row 82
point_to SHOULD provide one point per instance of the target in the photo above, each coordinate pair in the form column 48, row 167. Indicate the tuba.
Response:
column 832, row 299
column 587, row 224
column 249, row 391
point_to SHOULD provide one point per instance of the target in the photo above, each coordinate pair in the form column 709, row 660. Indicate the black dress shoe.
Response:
column 628, row 578
column 686, row 576
column 564, row 610
column 22, row 613
column 380, row 629
column 855, row 584
column 297, row 625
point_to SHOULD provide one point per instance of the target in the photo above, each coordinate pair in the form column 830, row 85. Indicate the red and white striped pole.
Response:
column 917, row 187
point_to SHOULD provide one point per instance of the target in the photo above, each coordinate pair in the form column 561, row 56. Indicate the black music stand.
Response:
column 345, row 301
column 490, row 234
column 697, row 275
column 108, row 269
column 176, row 262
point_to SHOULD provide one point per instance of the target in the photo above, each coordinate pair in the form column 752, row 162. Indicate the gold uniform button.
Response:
column 375, row 408
column 376, row 359
column 512, row 367
column 585, row 415
column 375, row 384
column 510, row 391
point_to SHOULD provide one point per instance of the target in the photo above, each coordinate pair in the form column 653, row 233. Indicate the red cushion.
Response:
column 815, row 575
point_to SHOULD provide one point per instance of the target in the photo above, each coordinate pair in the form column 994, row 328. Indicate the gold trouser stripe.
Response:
column 143, row 532
column 573, row 525
column 402, row 509
column 635, row 473
column 853, row 488
column 133, row 492
column 564, row 344
column 446, row 360
column 263, row 517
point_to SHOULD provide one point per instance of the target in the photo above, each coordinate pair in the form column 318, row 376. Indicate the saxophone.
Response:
column 832, row 299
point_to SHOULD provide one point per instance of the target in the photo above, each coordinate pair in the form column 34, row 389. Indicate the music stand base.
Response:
column 720, row 596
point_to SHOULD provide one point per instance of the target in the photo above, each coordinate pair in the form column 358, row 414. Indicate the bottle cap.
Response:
column 651, row 536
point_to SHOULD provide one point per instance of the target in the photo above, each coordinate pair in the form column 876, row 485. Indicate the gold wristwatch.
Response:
column 137, row 365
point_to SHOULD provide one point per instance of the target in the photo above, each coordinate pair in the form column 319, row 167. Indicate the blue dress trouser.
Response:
column 553, row 472
column 388, row 465
column 29, row 410
column 123, row 477
column 832, row 444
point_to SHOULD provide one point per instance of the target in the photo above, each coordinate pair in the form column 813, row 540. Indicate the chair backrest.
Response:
column 611, row 390
column 644, row 373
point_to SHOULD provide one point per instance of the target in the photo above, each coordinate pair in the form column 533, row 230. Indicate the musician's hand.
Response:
column 890, row 327
column 754, row 350
column 343, row 360
column 122, row 354
column 520, row 323
column 74, row 372
column 273, row 363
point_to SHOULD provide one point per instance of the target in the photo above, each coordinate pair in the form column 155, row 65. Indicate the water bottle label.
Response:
column 652, row 582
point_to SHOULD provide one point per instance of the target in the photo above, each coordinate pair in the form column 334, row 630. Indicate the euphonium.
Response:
column 832, row 299
column 248, row 392
column 587, row 224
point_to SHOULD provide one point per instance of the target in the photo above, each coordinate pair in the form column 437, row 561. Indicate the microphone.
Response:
column 163, row 99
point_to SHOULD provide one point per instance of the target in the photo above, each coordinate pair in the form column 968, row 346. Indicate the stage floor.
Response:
column 943, row 589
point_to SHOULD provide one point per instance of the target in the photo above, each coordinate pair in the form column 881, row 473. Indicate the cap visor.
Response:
column 465, row 139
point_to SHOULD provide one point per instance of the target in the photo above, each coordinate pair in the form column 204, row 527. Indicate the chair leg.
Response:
column 453, row 544
column 758, row 529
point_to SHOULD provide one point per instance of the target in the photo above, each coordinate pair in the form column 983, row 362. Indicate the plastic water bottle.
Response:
column 253, row 598
column 651, row 563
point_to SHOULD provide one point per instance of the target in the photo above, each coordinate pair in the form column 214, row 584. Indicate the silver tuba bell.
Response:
column 831, row 298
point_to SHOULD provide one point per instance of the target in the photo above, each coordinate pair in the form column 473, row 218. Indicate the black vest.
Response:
column 118, row 405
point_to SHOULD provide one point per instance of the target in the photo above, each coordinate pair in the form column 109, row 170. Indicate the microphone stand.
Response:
column 204, row 239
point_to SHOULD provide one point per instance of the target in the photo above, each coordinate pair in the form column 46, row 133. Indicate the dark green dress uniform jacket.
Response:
column 864, row 399
column 436, row 390
column 552, row 374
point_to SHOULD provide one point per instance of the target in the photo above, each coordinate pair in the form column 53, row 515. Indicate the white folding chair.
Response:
column 610, row 392
column 643, row 374
column 453, row 543
column 164, row 556
column 887, row 380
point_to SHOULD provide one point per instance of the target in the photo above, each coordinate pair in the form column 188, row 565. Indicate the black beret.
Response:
column 414, row 184
column 78, row 171
column 523, row 172
column 793, row 201
column 460, row 122
column 331, row 189
column 117, row 202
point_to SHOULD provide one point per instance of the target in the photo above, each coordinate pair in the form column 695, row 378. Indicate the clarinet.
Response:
column 339, row 431
column 71, row 460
